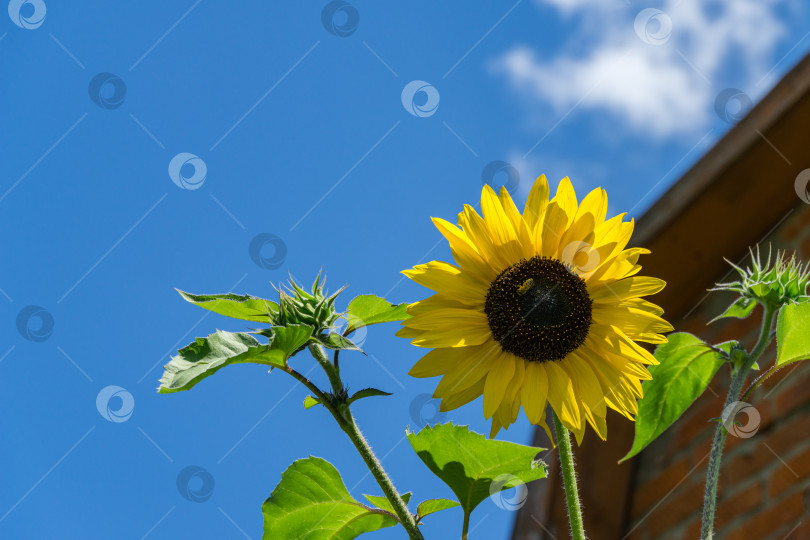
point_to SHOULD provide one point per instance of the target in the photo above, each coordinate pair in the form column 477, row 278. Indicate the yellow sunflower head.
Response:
column 540, row 307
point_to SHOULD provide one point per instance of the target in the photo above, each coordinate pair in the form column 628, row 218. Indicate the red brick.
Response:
column 795, row 532
column 696, row 421
column 796, row 471
column 693, row 531
column 792, row 389
column 742, row 502
column 760, row 450
column 646, row 496
column 681, row 506
column 804, row 249
column 762, row 524
column 795, row 226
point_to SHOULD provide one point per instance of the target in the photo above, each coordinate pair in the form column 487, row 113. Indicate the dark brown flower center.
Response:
column 538, row 309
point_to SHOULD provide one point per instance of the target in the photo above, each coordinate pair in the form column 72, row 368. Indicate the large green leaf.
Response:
column 311, row 502
column 687, row 366
column 473, row 466
column 207, row 355
column 368, row 309
column 246, row 308
column 793, row 334
column 741, row 308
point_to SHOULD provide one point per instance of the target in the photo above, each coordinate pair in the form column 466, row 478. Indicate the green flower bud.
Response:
column 775, row 283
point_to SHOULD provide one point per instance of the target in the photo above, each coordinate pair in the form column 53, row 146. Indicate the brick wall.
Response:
column 764, row 488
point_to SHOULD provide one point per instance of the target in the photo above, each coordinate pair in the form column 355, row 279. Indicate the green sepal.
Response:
column 741, row 308
column 367, row 392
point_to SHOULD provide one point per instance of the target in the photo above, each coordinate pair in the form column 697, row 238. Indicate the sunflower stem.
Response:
column 569, row 479
column 334, row 378
column 405, row 517
column 738, row 376
column 465, row 526
column 343, row 416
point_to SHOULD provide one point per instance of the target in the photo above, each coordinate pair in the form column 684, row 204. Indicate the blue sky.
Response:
column 299, row 134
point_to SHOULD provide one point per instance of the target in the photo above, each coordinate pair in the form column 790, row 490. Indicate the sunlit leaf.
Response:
column 793, row 334
column 687, row 366
column 246, row 308
column 312, row 502
column 368, row 309
column 473, row 466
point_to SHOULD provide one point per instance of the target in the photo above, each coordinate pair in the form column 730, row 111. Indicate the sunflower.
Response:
column 540, row 307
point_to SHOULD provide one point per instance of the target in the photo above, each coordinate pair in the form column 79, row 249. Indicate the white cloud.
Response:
column 660, row 90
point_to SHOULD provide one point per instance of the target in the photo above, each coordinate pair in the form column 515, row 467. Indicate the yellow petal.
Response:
column 476, row 229
column 437, row 362
column 453, row 318
column 594, row 204
column 524, row 238
column 631, row 287
column 550, row 230
column 504, row 237
column 458, row 399
column 465, row 252
column 618, row 266
column 473, row 367
column 534, row 392
column 535, row 208
column 631, row 320
column 449, row 280
column 435, row 301
column 562, row 396
column 497, row 381
column 566, row 199
column 471, row 333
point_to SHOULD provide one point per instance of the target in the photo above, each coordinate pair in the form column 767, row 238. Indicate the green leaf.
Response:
column 285, row 341
column 367, row 392
column 741, row 308
column 687, row 366
column 246, row 308
column 793, row 334
column 336, row 341
column 473, row 466
column 431, row 506
column 368, row 309
column 207, row 355
column 312, row 502
column 384, row 504
column 310, row 402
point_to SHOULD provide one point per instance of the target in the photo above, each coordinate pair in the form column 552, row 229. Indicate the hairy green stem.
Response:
column 334, row 378
column 405, row 518
column 344, row 418
column 569, row 479
column 738, row 376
